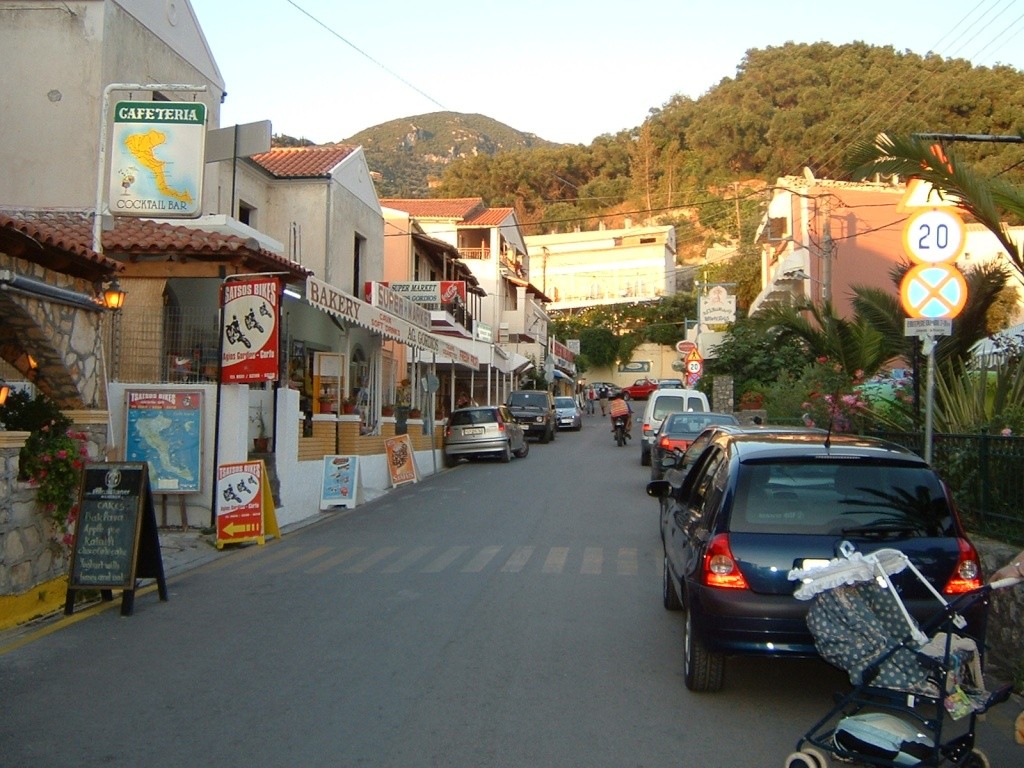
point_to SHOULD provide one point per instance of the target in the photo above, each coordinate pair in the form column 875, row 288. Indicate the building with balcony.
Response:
column 512, row 319
column 604, row 266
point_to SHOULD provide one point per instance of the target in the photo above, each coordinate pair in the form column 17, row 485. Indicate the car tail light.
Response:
column 720, row 567
column 967, row 574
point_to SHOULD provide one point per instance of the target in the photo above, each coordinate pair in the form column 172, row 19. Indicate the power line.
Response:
column 365, row 55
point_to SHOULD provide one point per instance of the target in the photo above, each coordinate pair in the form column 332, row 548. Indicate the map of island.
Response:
column 143, row 148
column 168, row 440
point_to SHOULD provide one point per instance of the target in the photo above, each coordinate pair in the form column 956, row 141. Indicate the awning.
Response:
column 337, row 302
column 563, row 376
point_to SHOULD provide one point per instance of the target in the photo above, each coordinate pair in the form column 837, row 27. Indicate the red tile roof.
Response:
column 458, row 208
column 72, row 231
column 489, row 217
column 303, row 162
column 55, row 242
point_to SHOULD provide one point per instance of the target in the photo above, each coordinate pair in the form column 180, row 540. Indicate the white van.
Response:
column 660, row 403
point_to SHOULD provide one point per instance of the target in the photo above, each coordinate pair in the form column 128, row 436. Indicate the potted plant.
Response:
column 387, row 410
column 260, row 443
column 348, row 405
column 415, row 413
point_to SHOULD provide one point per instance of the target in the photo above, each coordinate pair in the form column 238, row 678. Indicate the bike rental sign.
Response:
column 249, row 337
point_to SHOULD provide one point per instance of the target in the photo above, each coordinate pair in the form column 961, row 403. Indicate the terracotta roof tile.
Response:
column 451, row 208
column 303, row 162
column 72, row 231
column 59, row 231
column 489, row 217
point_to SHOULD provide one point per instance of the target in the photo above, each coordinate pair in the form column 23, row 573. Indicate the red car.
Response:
column 639, row 389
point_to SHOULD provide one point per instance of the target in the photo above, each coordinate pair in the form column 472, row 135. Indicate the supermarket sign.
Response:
column 430, row 292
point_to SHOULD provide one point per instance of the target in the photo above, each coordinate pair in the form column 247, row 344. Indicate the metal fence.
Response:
column 985, row 473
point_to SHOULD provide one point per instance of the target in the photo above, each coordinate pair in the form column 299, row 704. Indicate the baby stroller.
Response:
column 916, row 696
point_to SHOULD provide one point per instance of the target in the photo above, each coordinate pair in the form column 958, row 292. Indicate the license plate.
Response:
column 473, row 431
column 813, row 562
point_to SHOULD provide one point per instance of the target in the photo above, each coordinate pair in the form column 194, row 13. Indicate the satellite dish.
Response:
column 678, row 365
column 808, row 174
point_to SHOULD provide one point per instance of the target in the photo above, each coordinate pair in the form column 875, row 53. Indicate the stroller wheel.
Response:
column 807, row 758
column 977, row 759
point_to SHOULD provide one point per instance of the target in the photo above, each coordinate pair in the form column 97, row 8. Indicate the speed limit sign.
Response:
column 694, row 366
column 934, row 236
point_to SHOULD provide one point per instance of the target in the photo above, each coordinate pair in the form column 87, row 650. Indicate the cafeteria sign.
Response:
column 157, row 159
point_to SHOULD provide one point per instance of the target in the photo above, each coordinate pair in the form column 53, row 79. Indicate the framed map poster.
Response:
column 164, row 428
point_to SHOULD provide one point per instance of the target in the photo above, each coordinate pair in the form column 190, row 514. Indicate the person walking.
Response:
column 602, row 396
column 591, row 397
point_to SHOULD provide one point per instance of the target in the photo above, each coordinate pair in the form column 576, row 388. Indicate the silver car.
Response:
column 487, row 430
column 568, row 414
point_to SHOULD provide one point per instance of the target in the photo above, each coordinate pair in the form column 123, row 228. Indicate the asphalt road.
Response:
column 495, row 615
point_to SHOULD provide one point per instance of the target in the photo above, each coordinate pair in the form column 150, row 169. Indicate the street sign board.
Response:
column 927, row 327
column 933, row 291
column 934, row 236
column 685, row 347
column 922, row 194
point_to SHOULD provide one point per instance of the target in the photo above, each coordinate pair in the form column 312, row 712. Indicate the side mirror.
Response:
column 658, row 489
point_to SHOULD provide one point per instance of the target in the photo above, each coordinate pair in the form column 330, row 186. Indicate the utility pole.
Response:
column 826, row 254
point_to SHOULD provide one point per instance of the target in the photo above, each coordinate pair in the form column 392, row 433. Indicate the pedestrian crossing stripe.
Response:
column 354, row 560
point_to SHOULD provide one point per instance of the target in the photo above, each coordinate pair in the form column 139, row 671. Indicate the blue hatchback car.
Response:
column 757, row 504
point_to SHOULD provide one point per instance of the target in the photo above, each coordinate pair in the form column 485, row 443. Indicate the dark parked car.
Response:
column 534, row 409
column 677, row 432
column 483, row 431
column 759, row 503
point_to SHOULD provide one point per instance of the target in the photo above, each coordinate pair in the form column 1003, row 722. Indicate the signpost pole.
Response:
column 929, row 406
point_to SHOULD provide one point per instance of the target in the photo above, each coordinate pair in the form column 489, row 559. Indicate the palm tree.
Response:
column 988, row 200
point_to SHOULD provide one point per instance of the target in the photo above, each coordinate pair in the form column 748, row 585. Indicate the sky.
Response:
column 565, row 70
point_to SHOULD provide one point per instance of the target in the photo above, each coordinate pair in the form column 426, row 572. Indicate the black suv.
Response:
column 757, row 504
column 535, row 410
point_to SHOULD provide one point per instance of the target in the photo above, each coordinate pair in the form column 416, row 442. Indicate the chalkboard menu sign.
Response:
column 116, row 539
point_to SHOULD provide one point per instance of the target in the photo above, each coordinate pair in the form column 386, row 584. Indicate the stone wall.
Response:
column 30, row 553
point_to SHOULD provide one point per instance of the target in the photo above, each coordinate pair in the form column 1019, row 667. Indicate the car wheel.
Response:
column 506, row 454
column 522, row 452
column 669, row 597
column 655, row 474
column 450, row 461
column 625, row 396
column 546, row 437
column 645, row 458
column 703, row 670
column 977, row 759
column 554, row 432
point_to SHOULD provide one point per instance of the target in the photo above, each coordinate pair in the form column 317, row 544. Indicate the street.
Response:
column 495, row 615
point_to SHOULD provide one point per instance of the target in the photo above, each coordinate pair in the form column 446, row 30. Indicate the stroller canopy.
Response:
column 852, row 568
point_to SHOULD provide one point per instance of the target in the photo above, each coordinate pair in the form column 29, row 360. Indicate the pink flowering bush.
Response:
column 832, row 400
column 53, row 460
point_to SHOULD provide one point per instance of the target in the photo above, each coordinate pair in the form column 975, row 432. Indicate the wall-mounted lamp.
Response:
column 113, row 296
column 4, row 391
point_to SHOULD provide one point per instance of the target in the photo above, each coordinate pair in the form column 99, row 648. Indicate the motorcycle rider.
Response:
column 618, row 406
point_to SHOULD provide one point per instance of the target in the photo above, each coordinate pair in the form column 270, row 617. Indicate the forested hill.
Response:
column 410, row 151
column 788, row 107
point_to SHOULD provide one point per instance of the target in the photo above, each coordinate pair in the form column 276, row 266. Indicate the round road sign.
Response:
column 934, row 236
column 933, row 291
column 694, row 366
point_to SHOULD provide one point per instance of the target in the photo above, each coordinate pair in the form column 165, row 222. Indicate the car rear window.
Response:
column 840, row 498
column 694, row 423
column 478, row 416
column 666, row 404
